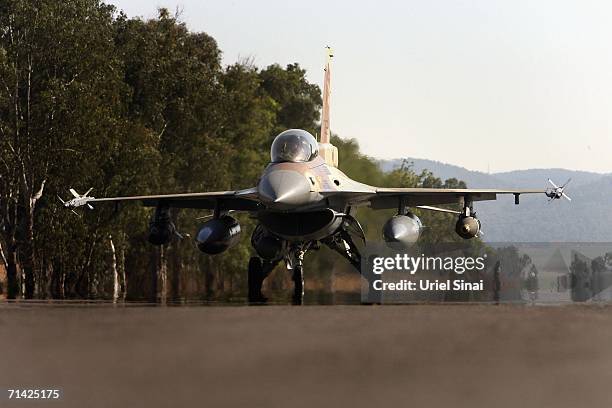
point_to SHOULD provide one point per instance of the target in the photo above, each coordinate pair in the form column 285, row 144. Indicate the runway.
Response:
column 310, row 356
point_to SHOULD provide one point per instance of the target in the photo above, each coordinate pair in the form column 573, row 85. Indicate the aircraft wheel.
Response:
column 255, row 280
column 298, row 282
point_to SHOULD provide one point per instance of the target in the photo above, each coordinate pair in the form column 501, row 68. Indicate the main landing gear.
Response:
column 259, row 268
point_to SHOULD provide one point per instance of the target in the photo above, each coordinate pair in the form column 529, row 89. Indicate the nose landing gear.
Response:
column 295, row 263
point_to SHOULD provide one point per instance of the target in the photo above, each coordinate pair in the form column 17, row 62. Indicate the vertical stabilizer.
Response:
column 326, row 95
column 326, row 149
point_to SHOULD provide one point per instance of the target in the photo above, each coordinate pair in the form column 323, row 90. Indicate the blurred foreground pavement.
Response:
column 279, row 356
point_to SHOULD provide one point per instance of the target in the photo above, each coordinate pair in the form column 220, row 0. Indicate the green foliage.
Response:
column 298, row 102
column 91, row 98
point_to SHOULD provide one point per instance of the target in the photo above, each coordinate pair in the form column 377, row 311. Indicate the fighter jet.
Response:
column 303, row 200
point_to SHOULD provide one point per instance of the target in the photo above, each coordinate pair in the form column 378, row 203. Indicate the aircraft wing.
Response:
column 389, row 197
column 239, row 200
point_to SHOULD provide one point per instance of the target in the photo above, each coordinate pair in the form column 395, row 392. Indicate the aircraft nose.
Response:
column 281, row 188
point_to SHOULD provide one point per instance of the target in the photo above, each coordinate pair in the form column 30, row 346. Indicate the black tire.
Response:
column 298, row 288
column 255, row 279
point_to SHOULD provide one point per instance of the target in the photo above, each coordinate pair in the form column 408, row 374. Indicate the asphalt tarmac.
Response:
column 309, row 356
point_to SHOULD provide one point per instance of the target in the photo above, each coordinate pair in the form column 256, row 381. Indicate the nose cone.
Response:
column 284, row 188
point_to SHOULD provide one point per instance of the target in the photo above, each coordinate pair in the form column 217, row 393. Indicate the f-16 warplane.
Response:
column 303, row 200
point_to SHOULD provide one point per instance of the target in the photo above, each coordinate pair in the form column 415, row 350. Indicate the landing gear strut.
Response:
column 298, row 285
column 343, row 244
column 295, row 263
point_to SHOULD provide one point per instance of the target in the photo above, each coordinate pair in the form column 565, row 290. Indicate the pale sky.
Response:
column 504, row 85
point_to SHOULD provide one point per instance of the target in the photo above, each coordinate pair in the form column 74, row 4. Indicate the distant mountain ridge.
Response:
column 587, row 218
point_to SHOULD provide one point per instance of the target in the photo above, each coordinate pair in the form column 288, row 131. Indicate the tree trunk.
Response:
column 12, row 290
column 163, row 274
column 56, row 279
column 209, row 278
column 122, row 266
column 154, row 268
column 27, row 255
column 175, row 287
column 116, row 287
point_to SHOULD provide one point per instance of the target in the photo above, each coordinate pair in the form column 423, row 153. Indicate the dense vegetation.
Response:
column 92, row 98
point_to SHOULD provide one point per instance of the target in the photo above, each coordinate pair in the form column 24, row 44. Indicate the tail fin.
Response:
column 328, row 151
column 326, row 94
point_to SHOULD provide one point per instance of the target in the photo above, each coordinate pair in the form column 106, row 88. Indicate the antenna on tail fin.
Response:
column 326, row 149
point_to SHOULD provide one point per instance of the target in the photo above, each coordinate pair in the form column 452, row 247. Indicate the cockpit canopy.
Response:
column 294, row 145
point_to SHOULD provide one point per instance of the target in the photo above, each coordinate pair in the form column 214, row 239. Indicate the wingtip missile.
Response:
column 557, row 192
column 79, row 200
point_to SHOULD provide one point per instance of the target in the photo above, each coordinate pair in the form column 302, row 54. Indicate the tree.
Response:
column 54, row 102
column 298, row 101
column 92, row 98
